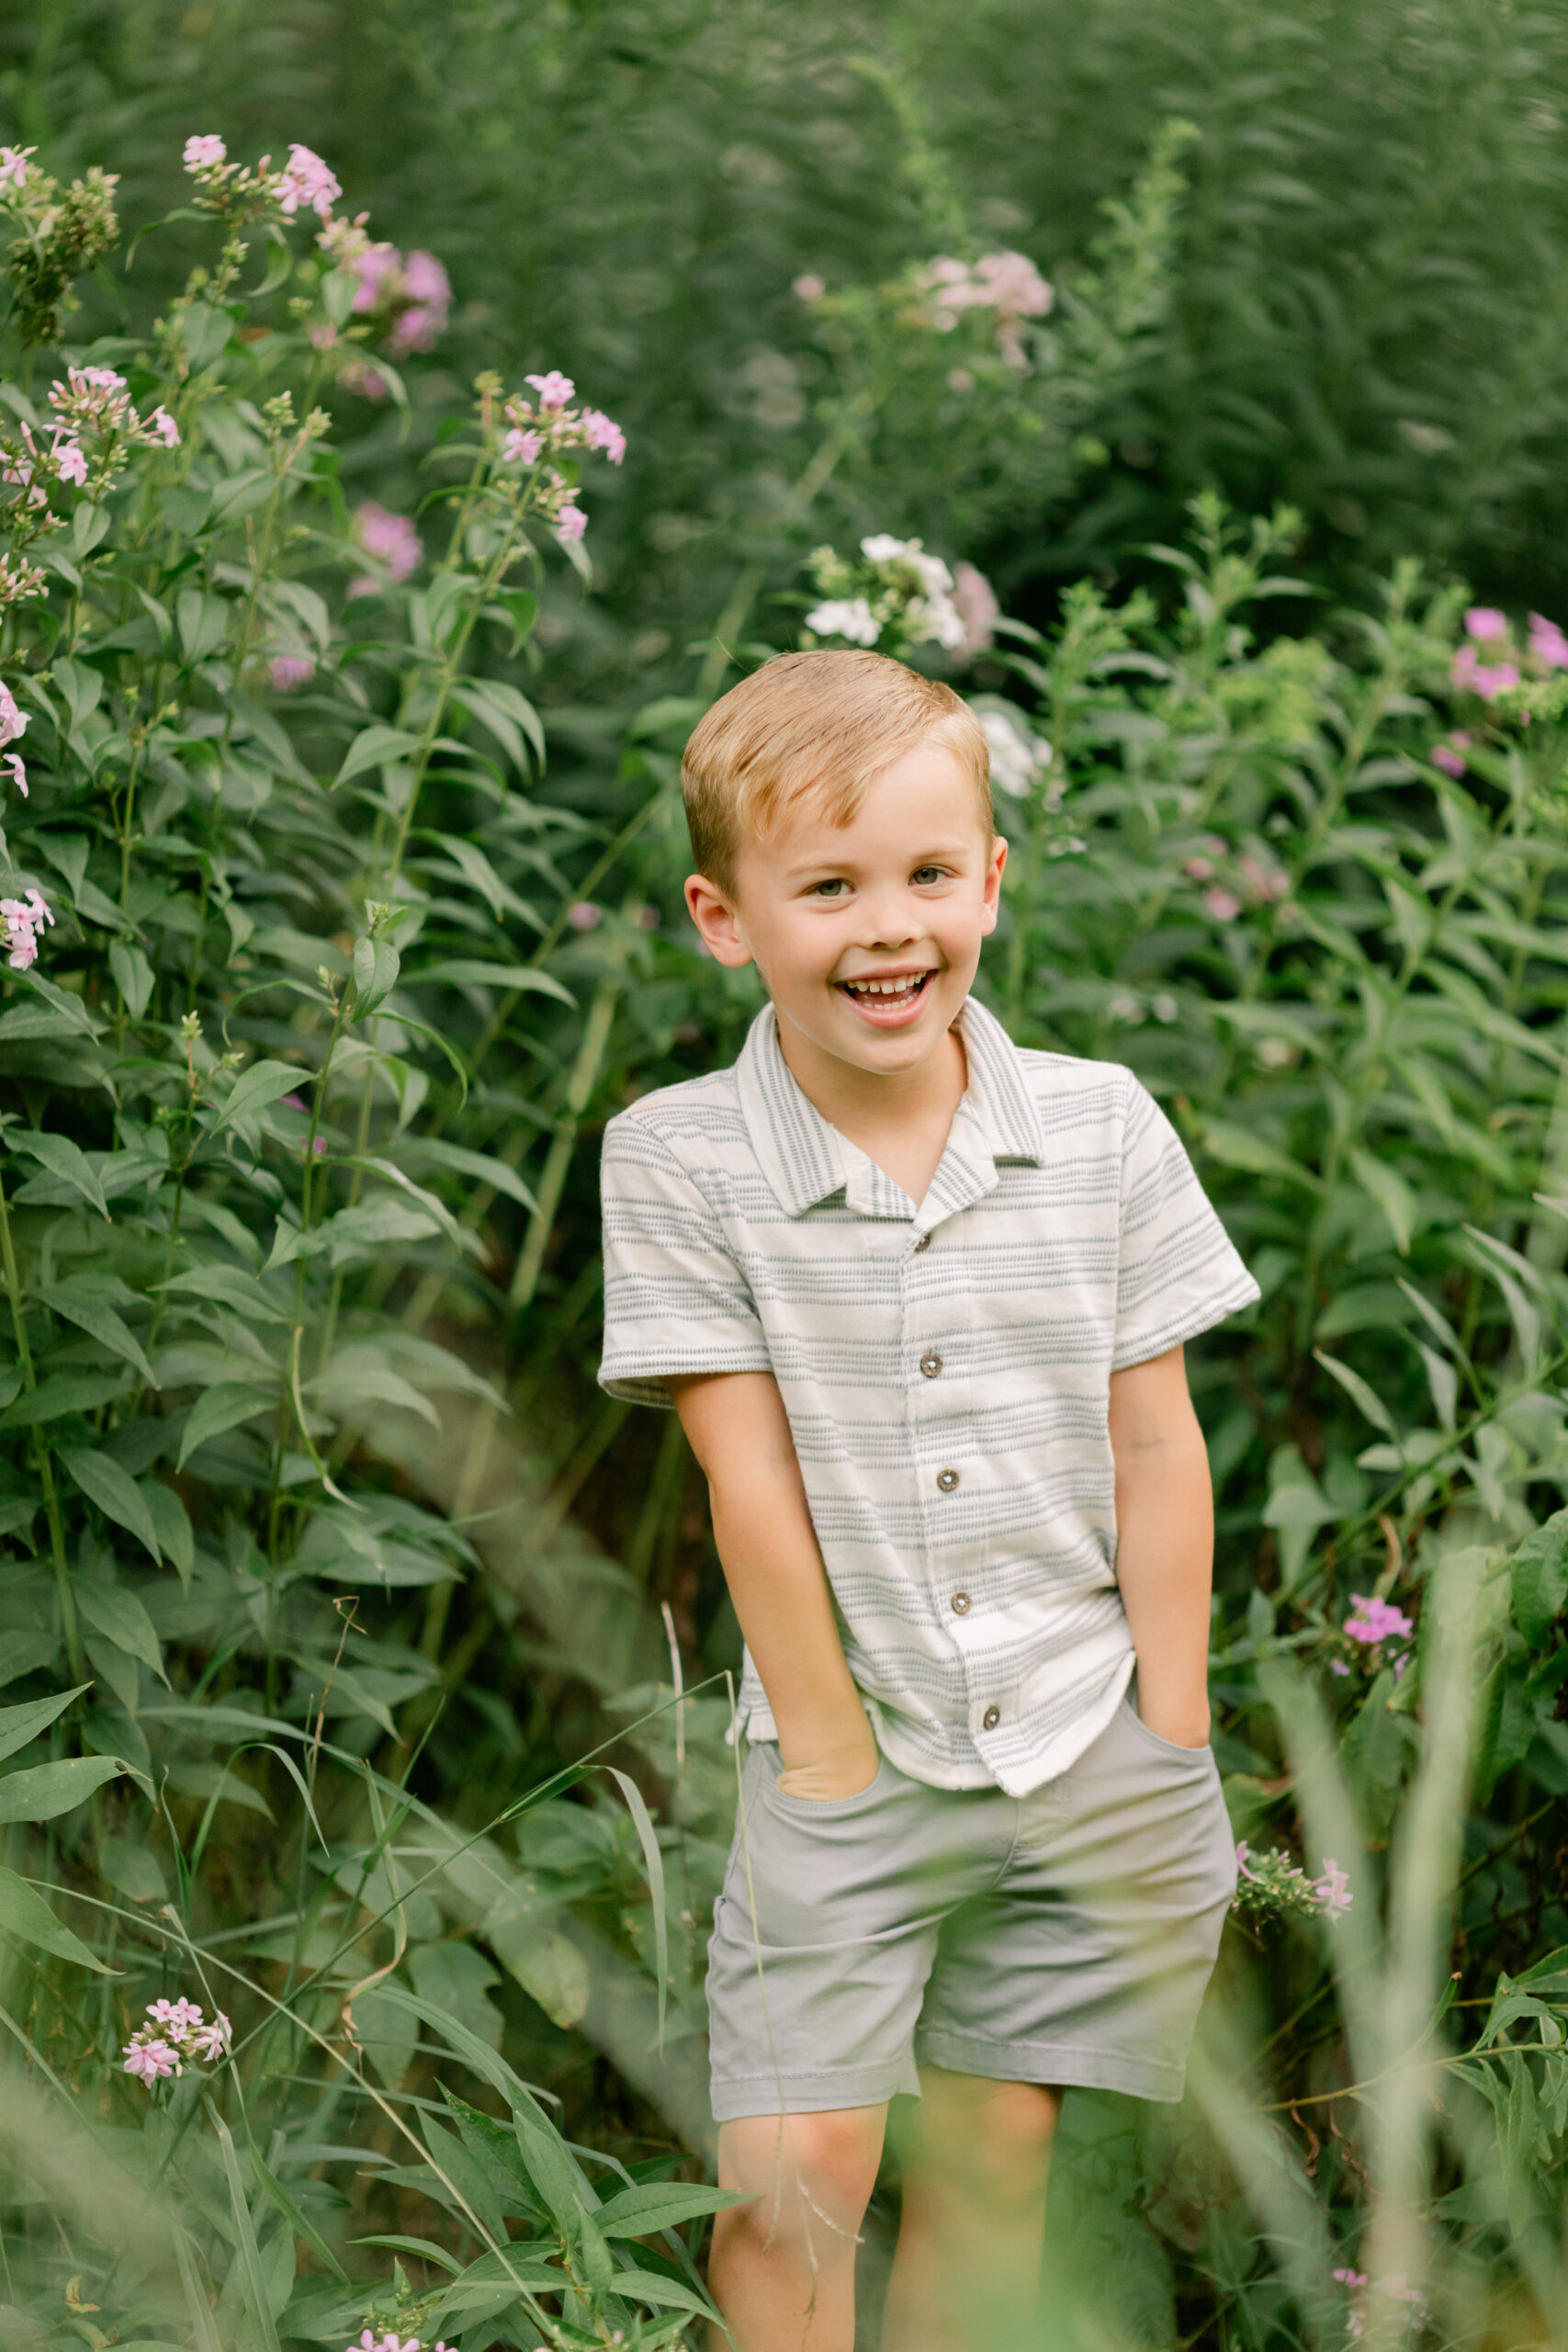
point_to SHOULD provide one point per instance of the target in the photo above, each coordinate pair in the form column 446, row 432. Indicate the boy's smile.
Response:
column 867, row 934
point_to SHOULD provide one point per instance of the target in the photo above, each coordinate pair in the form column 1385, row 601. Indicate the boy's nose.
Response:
column 889, row 922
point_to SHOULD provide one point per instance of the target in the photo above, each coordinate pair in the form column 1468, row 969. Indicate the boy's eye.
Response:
column 830, row 889
column 929, row 874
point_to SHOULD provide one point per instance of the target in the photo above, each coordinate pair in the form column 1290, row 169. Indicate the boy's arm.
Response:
column 1164, row 1553
column 767, row 1545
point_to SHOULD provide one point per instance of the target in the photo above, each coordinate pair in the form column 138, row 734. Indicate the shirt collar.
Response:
column 807, row 1160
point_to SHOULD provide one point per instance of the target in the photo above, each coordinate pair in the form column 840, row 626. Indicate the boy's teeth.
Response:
column 885, row 987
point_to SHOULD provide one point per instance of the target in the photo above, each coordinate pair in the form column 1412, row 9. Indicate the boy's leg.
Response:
column 967, row 2275
column 782, row 2267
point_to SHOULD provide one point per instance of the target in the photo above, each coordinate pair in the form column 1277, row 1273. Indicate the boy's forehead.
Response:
column 925, row 794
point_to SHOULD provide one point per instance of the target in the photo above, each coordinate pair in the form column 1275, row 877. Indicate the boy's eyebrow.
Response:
column 827, row 863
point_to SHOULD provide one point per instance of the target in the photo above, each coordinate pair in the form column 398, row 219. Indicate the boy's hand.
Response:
column 1182, row 1719
column 839, row 1772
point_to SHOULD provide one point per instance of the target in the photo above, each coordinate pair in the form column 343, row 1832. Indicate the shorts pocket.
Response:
column 1204, row 1755
column 825, row 1808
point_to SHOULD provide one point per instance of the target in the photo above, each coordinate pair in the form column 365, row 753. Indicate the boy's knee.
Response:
column 794, row 2165
column 996, row 2134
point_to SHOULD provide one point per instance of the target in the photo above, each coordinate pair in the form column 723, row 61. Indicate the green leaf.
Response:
column 24, row 1915
column 653, row 2205
column 20, row 1724
column 1240, row 1148
column 229, row 1287
column 1356, row 1389
column 467, row 971
column 373, row 748
column 116, row 1612
column 648, row 1838
column 81, row 1301
column 219, row 1408
column 115, row 1492
column 481, row 1165
column 1538, row 1576
column 171, row 1525
column 133, row 978
column 653, row 2287
column 1391, row 1194
column 63, row 1159
column 44, row 1791
column 61, row 1393
column 376, row 965
column 263, row 1082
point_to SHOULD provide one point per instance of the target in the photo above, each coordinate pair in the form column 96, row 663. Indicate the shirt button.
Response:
column 990, row 1719
column 947, row 1480
column 924, row 1242
column 961, row 1604
column 931, row 1364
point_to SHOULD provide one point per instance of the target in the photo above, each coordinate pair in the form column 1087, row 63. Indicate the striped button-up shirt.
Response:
column 945, row 1367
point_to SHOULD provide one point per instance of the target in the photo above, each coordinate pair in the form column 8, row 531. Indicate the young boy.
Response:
column 919, row 1299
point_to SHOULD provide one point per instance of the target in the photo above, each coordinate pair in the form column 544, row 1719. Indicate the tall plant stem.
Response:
column 40, row 1452
column 585, row 1072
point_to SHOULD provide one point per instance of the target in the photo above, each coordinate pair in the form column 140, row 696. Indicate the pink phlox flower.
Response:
column 570, row 524
column 1337, row 1666
column 24, row 919
column 601, row 432
column 554, row 390
column 1267, row 881
column 203, row 152
column 163, row 425
column 1400, row 1664
column 427, row 279
column 150, row 2060
column 13, row 721
column 585, row 915
column 1222, row 905
column 1014, row 286
column 1487, row 679
column 1485, row 623
column 14, row 165
column 390, row 537
column 307, row 181
column 286, row 671
column 810, row 287
column 419, row 328
column 522, row 447
column 212, row 2042
column 975, row 601
column 1548, row 643
column 177, row 2017
column 1373, row 1619
column 1350, row 2278
column 72, row 461
column 1242, row 1854
column 1448, row 754
column 1354, row 2325
column 1333, row 1890
column 373, row 268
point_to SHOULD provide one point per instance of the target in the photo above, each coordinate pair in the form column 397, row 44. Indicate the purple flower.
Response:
column 1486, row 679
column 570, row 524
column 71, row 462
column 1448, row 754
column 554, row 390
column 1373, row 1619
column 1548, row 643
column 307, row 181
column 375, row 265
column 151, row 2061
column 1242, row 1851
column 204, row 154
column 390, row 537
column 1485, row 623
column 427, row 280
column 286, row 671
column 211, row 2042
column 522, row 447
column 13, row 722
column 162, row 423
column 1350, row 2278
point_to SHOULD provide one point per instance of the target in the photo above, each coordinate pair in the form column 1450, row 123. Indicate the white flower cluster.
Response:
column 900, row 593
column 1018, row 756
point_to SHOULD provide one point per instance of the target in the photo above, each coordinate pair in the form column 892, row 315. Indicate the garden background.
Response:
column 342, row 1621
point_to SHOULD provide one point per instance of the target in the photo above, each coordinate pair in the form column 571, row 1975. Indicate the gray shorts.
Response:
column 1061, row 1938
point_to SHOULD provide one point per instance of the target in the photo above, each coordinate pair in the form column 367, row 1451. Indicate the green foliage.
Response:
column 321, row 1548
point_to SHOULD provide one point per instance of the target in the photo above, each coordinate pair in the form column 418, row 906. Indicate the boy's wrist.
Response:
column 1174, row 1710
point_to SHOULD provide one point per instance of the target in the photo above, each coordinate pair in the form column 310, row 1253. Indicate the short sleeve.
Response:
column 1178, row 1271
column 675, row 1299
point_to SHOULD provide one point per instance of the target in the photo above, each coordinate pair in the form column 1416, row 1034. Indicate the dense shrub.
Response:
column 328, row 1575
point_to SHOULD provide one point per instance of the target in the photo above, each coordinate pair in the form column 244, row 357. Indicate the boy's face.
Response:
column 867, row 934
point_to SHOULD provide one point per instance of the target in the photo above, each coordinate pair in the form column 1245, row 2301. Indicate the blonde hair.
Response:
column 821, row 724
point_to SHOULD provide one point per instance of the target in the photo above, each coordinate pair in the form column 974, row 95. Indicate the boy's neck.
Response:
column 899, row 1118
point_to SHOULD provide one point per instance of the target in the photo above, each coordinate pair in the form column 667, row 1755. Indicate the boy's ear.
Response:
column 992, row 893
column 718, row 927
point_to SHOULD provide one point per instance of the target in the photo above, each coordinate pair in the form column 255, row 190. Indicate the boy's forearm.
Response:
column 768, row 1549
column 1164, row 1544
